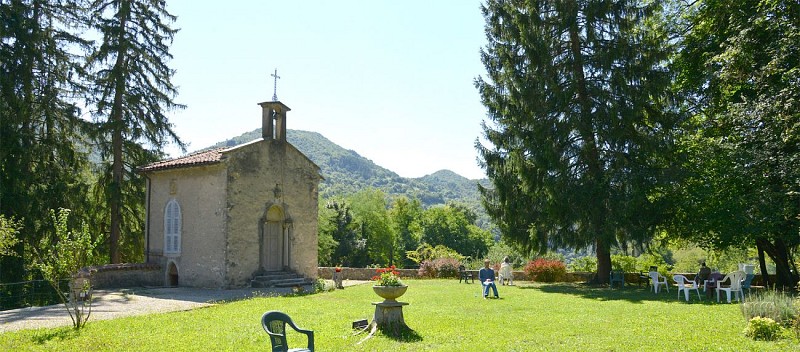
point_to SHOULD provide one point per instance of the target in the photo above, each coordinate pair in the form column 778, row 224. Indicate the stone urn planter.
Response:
column 390, row 293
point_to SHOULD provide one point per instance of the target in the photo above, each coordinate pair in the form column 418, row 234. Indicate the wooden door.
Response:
column 273, row 246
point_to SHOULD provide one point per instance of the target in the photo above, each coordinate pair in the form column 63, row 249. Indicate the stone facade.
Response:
column 242, row 210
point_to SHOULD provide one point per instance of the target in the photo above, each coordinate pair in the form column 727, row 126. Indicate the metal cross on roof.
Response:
column 275, row 85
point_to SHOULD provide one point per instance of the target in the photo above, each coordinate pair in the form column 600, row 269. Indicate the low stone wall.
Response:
column 360, row 273
column 126, row 275
column 579, row 276
column 368, row 273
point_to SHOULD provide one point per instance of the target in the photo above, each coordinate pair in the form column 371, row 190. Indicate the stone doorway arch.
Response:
column 172, row 274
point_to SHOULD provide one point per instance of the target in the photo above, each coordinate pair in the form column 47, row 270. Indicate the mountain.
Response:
column 347, row 172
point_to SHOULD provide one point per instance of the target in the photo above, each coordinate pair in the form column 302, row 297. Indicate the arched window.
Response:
column 172, row 228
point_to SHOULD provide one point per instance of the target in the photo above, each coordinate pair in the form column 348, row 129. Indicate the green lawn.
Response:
column 446, row 316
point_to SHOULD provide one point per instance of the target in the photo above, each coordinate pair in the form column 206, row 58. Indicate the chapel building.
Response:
column 222, row 217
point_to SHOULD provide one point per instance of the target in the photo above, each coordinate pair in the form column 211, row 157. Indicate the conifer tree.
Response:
column 41, row 165
column 132, row 92
column 577, row 130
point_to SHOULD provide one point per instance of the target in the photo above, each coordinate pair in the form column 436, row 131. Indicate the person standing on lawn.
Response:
column 486, row 275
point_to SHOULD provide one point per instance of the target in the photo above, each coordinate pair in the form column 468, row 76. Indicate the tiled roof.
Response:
column 202, row 158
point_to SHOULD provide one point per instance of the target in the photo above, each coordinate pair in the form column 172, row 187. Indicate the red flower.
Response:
column 387, row 277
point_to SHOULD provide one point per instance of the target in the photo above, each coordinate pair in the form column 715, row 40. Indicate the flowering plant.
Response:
column 387, row 277
column 545, row 270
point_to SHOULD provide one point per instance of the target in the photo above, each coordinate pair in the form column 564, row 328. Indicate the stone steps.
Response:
column 280, row 279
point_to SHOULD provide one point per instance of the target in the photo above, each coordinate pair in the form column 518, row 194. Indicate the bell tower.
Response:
column 273, row 120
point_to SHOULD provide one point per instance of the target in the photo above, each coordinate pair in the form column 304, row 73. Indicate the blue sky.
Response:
column 392, row 80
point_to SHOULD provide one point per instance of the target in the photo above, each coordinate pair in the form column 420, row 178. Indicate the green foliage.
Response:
column 776, row 306
column 406, row 216
column 369, row 208
column 759, row 328
column 65, row 252
column 738, row 70
column 579, row 126
column 546, row 270
column 498, row 251
column 586, row 264
column 9, row 232
column 363, row 230
column 61, row 256
column 338, row 230
column 550, row 255
column 426, row 252
column 450, row 226
column 326, row 226
column 623, row 262
column 131, row 93
column 42, row 154
column 322, row 285
column 727, row 260
column 646, row 260
column 687, row 260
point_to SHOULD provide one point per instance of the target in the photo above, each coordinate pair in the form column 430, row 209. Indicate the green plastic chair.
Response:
column 274, row 323
column 616, row 276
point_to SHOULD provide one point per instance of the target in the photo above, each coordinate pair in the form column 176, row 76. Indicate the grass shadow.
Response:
column 604, row 293
column 402, row 334
column 60, row 334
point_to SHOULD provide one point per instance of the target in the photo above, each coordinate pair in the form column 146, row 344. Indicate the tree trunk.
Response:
column 603, row 261
column 763, row 266
column 785, row 279
column 116, row 145
column 594, row 170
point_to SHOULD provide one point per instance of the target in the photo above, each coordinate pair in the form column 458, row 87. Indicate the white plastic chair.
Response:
column 505, row 274
column 735, row 278
column 685, row 285
column 654, row 279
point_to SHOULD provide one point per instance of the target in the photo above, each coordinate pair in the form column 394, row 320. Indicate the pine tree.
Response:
column 42, row 165
column 578, row 130
column 132, row 92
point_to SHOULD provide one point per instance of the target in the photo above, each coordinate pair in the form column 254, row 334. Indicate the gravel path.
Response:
column 110, row 304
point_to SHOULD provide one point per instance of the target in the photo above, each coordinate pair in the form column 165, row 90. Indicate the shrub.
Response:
column 584, row 264
column 427, row 269
column 447, row 267
column 623, row 262
column 546, row 270
column 774, row 305
column 427, row 253
column 645, row 261
column 441, row 267
column 760, row 328
column 796, row 324
column 496, row 254
column 322, row 285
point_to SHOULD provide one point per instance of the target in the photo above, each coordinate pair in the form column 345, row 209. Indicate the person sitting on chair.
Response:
column 712, row 282
column 703, row 274
column 505, row 272
column 486, row 275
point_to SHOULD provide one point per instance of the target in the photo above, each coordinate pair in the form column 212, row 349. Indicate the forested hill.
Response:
column 347, row 172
